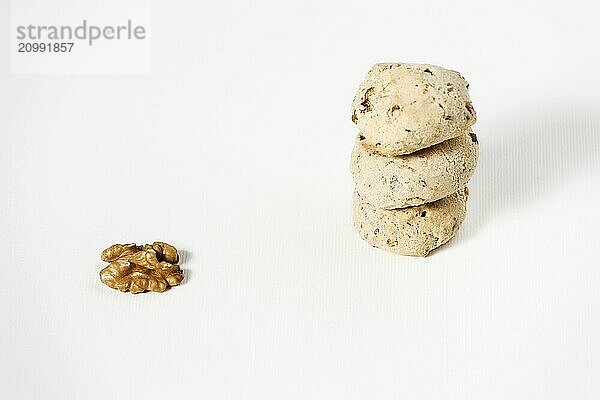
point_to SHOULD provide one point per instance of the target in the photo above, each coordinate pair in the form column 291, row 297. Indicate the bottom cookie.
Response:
column 411, row 231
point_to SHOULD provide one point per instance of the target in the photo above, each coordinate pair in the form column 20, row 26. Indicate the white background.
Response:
column 236, row 150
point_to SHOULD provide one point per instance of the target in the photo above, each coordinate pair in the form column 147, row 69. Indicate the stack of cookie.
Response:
column 413, row 157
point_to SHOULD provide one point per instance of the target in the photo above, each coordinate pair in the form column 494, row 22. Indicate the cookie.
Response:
column 411, row 231
column 401, row 108
column 417, row 178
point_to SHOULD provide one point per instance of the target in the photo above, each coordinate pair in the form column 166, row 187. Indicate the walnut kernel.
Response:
column 139, row 268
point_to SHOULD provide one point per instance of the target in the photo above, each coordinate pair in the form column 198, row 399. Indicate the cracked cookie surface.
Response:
column 401, row 108
column 411, row 231
column 417, row 178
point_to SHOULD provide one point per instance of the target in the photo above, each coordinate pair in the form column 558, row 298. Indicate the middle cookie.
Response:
column 414, row 179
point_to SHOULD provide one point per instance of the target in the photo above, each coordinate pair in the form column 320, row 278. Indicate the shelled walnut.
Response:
column 136, row 268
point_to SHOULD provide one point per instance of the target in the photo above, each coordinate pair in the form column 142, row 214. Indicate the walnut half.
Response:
column 136, row 268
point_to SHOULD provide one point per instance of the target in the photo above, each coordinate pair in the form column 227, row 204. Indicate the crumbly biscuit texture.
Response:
column 412, row 231
column 402, row 108
column 414, row 179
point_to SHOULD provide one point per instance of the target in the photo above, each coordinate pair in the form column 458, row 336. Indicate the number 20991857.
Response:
column 25, row 47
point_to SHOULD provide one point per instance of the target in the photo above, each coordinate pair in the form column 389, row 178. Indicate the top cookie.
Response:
column 401, row 108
